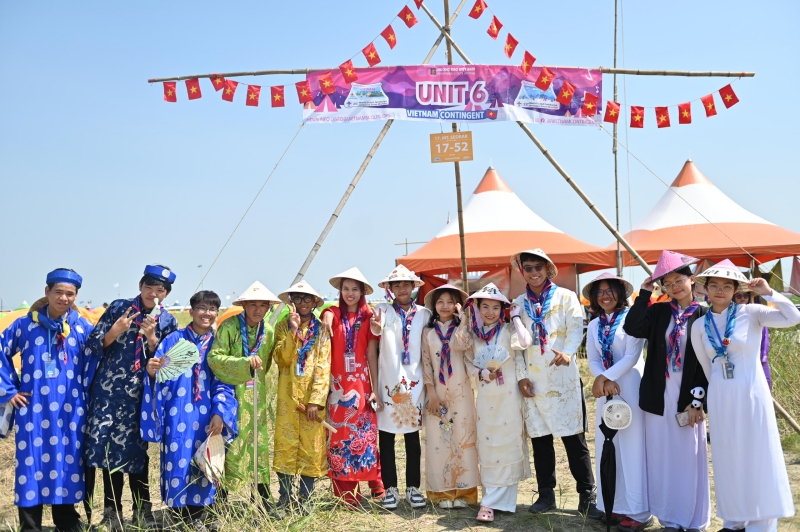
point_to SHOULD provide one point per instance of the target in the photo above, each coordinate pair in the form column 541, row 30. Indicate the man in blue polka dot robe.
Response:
column 48, row 401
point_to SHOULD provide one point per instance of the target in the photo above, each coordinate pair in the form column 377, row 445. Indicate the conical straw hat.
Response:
column 671, row 261
column 431, row 296
column 210, row 458
column 356, row 275
column 587, row 290
column 552, row 271
column 401, row 273
column 300, row 288
column 490, row 291
column 256, row 292
column 725, row 270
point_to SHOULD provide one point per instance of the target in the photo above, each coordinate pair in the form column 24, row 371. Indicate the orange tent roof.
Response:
column 498, row 224
column 719, row 230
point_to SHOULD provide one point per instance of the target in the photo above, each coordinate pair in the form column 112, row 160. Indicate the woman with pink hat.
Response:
column 502, row 447
column 451, row 458
column 615, row 360
column 675, row 433
column 750, row 478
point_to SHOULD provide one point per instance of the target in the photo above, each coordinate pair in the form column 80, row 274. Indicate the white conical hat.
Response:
column 210, row 458
column 256, row 292
column 552, row 271
column 490, row 291
column 300, row 288
column 725, row 270
column 356, row 275
column 401, row 273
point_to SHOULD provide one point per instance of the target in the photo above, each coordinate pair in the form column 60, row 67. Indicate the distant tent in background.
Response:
column 794, row 284
column 23, row 306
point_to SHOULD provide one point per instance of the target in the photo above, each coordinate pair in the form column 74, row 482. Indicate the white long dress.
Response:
column 750, row 478
column 626, row 371
column 677, row 459
column 400, row 386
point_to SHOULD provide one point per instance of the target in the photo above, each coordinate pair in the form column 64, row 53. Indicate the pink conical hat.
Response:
column 725, row 270
column 670, row 261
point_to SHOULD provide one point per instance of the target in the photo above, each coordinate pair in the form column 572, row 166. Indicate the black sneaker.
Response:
column 143, row 518
column 587, row 505
column 545, row 503
column 111, row 522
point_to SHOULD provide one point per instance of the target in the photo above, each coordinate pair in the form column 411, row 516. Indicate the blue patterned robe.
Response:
column 49, row 463
column 112, row 432
column 172, row 416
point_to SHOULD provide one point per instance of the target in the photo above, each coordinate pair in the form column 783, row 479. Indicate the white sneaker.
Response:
column 390, row 499
column 445, row 504
column 460, row 503
column 415, row 498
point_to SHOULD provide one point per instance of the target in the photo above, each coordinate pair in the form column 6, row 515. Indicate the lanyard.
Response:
column 350, row 336
column 721, row 348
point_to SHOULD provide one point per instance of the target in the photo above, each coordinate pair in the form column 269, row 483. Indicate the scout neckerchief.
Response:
column 406, row 318
column 351, row 331
column 720, row 344
column 445, row 354
column 140, row 340
column 606, row 332
column 537, row 308
column 60, row 326
column 245, row 341
column 680, row 320
column 202, row 343
column 485, row 336
column 307, row 342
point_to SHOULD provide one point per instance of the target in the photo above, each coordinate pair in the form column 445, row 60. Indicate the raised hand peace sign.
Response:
column 124, row 321
column 294, row 319
column 377, row 318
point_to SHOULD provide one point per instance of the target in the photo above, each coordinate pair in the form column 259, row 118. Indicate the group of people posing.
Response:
column 482, row 375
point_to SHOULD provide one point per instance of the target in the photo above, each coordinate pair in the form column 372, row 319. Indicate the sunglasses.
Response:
column 529, row 269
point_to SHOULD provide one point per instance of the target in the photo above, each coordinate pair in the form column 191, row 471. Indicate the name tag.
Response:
column 349, row 362
column 727, row 369
column 50, row 368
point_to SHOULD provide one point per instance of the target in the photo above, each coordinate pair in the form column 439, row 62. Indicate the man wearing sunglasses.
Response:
column 549, row 379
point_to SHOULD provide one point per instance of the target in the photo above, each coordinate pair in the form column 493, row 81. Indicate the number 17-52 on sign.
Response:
column 451, row 147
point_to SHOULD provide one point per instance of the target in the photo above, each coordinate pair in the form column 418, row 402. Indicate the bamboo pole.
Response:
column 785, row 415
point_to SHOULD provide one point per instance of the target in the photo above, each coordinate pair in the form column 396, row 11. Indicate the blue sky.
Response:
column 99, row 174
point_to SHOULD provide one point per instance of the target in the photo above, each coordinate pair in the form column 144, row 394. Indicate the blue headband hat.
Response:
column 64, row 276
column 160, row 273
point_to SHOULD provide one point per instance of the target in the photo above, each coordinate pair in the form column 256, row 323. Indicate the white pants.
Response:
column 765, row 525
column 503, row 499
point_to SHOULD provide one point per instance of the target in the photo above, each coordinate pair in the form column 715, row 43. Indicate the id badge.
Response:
column 350, row 362
column 536, row 335
column 727, row 369
column 201, row 382
column 500, row 379
column 50, row 368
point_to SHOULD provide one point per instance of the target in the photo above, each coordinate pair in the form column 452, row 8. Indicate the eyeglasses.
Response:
column 207, row 310
column 297, row 299
column 720, row 288
column 529, row 269
column 741, row 297
column 675, row 283
column 610, row 292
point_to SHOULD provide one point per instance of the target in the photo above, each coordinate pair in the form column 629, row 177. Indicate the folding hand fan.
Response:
column 491, row 357
column 182, row 356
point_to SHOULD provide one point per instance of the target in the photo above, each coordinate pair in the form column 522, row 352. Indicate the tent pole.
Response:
column 614, row 148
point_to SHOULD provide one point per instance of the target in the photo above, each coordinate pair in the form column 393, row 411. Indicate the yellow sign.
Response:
column 451, row 147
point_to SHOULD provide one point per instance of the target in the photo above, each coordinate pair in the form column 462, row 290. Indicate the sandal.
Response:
column 485, row 514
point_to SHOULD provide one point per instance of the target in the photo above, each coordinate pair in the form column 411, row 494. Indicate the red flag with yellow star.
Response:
column 389, row 35
column 729, row 98
column 170, row 94
column 253, row 95
column 511, row 45
column 218, row 82
column 637, row 116
column 708, row 105
column 408, row 17
column 193, row 88
column 527, row 63
column 478, row 9
column 589, row 104
column 304, row 91
column 277, row 96
column 326, row 83
column 371, row 53
column 612, row 112
column 565, row 93
column 544, row 79
column 418, row 3
column 685, row 113
column 494, row 28
column 348, row 71
column 229, row 90
column 662, row 116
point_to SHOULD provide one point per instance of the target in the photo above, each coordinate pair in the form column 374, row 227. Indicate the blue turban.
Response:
column 160, row 273
column 64, row 276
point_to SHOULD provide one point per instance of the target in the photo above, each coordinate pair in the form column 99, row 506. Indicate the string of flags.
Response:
column 303, row 88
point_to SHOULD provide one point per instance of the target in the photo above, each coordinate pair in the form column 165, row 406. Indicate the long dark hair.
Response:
column 439, row 293
column 619, row 291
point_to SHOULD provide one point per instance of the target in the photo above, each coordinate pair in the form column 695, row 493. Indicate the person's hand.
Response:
column 377, row 318
column 458, row 309
column 560, row 359
column 526, row 387
column 215, row 426
column 311, row 412
column 515, row 310
column 148, row 329
column 20, row 400
column 378, row 403
column 294, row 320
column 648, row 284
column 598, row 386
column 255, row 362
column 327, row 323
column 695, row 415
column 153, row 365
column 124, row 322
column 610, row 388
column 760, row 286
column 492, row 374
column 434, row 403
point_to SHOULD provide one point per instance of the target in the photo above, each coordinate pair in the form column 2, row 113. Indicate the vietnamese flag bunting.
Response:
column 418, row 3
column 348, row 71
column 478, row 9
column 637, row 116
column 545, row 79
column 511, row 45
column 371, row 53
column 565, row 93
column 708, row 105
column 685, row 113
column 408, row 17
column 662, row 116
column 229, row 90
column 218, row 82
column 277, row 96
column 527, row 63
column 326, row 83
column 494, row 28
column 253, row 95
column 170, row 94
column 304, row 91
column 193, row 88
column 729, row 98
column 389, row 35
column 589, row 104
column 612, row 112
